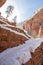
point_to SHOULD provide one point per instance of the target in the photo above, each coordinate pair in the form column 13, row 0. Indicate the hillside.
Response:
column 10, row 35
column 34, row 25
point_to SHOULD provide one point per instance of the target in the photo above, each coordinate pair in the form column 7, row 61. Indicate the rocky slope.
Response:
column 34, row 25
column 10, row 35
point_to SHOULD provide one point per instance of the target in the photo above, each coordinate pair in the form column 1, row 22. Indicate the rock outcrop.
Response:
column 2, row 2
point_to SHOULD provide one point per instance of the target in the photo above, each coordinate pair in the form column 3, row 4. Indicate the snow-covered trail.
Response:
column 20, row 54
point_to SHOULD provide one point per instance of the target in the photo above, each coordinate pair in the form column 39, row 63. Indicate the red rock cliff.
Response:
column 34, row 23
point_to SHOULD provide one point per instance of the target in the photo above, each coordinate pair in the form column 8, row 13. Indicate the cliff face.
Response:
column 34, row 23
column 10, row 35
column 2, row 2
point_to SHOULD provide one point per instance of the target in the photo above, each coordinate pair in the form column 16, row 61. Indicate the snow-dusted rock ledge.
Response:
column 20, row 54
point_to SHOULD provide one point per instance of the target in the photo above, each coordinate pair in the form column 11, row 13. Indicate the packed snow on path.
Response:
column 21, row 54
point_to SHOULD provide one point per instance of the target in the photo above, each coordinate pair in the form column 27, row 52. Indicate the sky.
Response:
column 23, row 9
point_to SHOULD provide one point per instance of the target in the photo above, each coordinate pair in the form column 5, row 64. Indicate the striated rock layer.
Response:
column 10, row 36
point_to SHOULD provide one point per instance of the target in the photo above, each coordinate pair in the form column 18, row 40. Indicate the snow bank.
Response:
column 20, row 54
